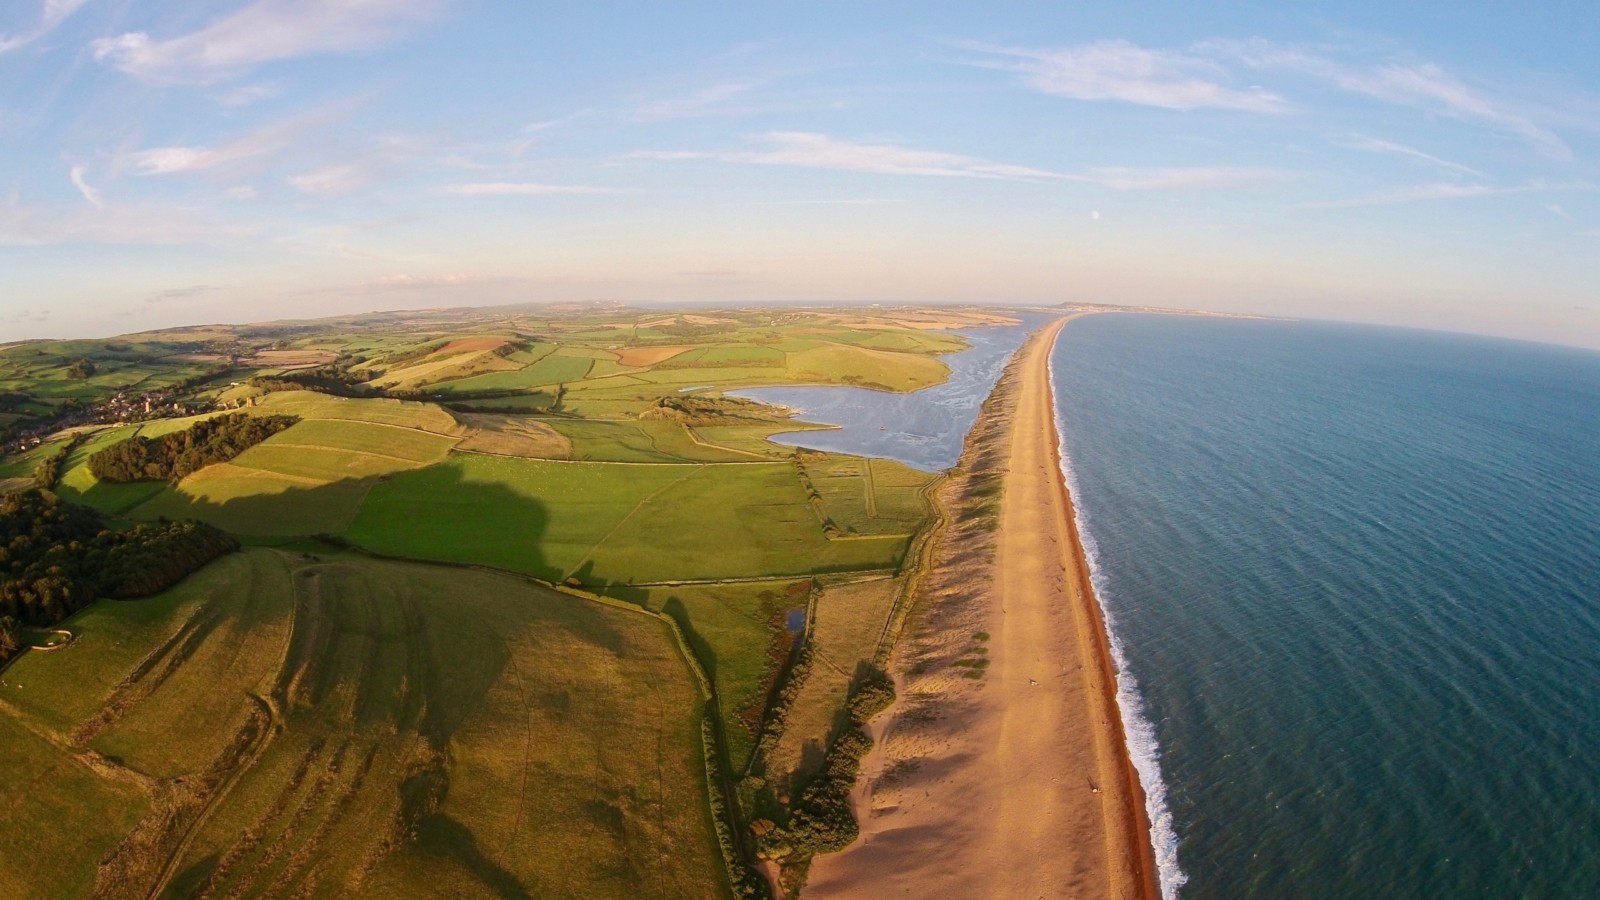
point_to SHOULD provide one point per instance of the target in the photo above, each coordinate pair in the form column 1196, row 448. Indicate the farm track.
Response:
column 693, row 436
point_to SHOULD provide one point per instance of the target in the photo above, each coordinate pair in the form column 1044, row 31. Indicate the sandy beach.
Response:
column 1017, row 783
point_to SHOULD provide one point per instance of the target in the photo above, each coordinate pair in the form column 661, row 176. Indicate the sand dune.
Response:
column 1016, row 784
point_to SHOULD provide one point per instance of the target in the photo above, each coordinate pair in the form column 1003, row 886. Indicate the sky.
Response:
column 172, row 162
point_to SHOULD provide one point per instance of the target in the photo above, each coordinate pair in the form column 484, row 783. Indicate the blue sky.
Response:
column 174, row 162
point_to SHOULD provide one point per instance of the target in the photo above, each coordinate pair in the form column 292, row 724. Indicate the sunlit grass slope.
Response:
column 353, row 727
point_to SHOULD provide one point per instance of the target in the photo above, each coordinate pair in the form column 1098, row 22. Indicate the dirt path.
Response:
column 1016, row 784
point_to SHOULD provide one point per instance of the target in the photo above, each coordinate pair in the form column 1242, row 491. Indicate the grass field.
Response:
column 645, row 440
column 284, row 726
column 323, row 728
column 308, row 479
column 612, row 522
column 732, row 628
column 870, row 496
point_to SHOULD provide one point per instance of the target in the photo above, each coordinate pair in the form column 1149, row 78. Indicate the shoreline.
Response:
column 1003, row 768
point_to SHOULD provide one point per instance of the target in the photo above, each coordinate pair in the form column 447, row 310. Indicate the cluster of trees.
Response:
column 56, row 557
column 48, row 471
column 175, row 455
column 82, row 369
column 695, row 410
column 10, row 637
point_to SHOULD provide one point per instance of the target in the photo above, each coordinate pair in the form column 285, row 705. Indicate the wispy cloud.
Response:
column 336, row 179
column 261, row 32
column 53, row 13
column 1420, row 85
column 1378, row 145
column 521, row 189
column 264, row 142
column 1120, row 70
column 79, row 181
column 33, row 226
column 1450, row 191
column 845, row 201
column 818, row 151
column 717, row 100
column 179, row 293
column 245, row 95
column 1193, row 178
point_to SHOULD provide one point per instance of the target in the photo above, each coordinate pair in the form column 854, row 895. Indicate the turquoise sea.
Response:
column 1354, row 578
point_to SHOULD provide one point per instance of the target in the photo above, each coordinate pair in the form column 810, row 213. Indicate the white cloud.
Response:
column 240, row 192
column 260, row 144
column 712, row 101
column 1119, row 70
column 863, row 201
column 247, row 94
column 336, row 179
column 81, row 183
column 1450, row 191
column 263, row 31
column 1378, row 145
column 520, row 189
column 1201, row 178
column 53, row 14
column 817, row 151
column 1422, row 85
column 1558, row 210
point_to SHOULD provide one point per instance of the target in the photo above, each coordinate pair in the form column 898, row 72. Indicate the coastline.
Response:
column 1003, row 769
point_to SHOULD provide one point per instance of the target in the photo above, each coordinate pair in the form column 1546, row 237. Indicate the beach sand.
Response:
column 1016, row 784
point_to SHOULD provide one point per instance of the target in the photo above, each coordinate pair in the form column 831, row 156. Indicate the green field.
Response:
column 732, row 628
column 551, row 369
column 350, row 726
column 601, row 523
column 281, row 725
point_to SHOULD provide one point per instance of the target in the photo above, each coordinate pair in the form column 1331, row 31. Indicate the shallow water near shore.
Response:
column 1353, row 572
column 924, row 429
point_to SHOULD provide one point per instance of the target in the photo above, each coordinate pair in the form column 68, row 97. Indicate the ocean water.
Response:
column 924, row 429
column 1354, row 575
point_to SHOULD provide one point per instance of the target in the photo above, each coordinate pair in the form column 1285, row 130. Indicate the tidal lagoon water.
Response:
column 925, row 428
column 1355, row 574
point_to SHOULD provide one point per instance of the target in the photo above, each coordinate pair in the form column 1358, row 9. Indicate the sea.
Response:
column 1352, row 577
column 1352, row 581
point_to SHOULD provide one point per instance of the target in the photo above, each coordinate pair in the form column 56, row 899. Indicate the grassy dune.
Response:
column 283, row 726
column 847, row 624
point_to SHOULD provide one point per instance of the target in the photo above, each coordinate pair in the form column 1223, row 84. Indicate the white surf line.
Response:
column 1144, row 751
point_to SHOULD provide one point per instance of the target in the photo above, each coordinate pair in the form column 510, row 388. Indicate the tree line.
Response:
column 172, row 456
column 56, row 557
